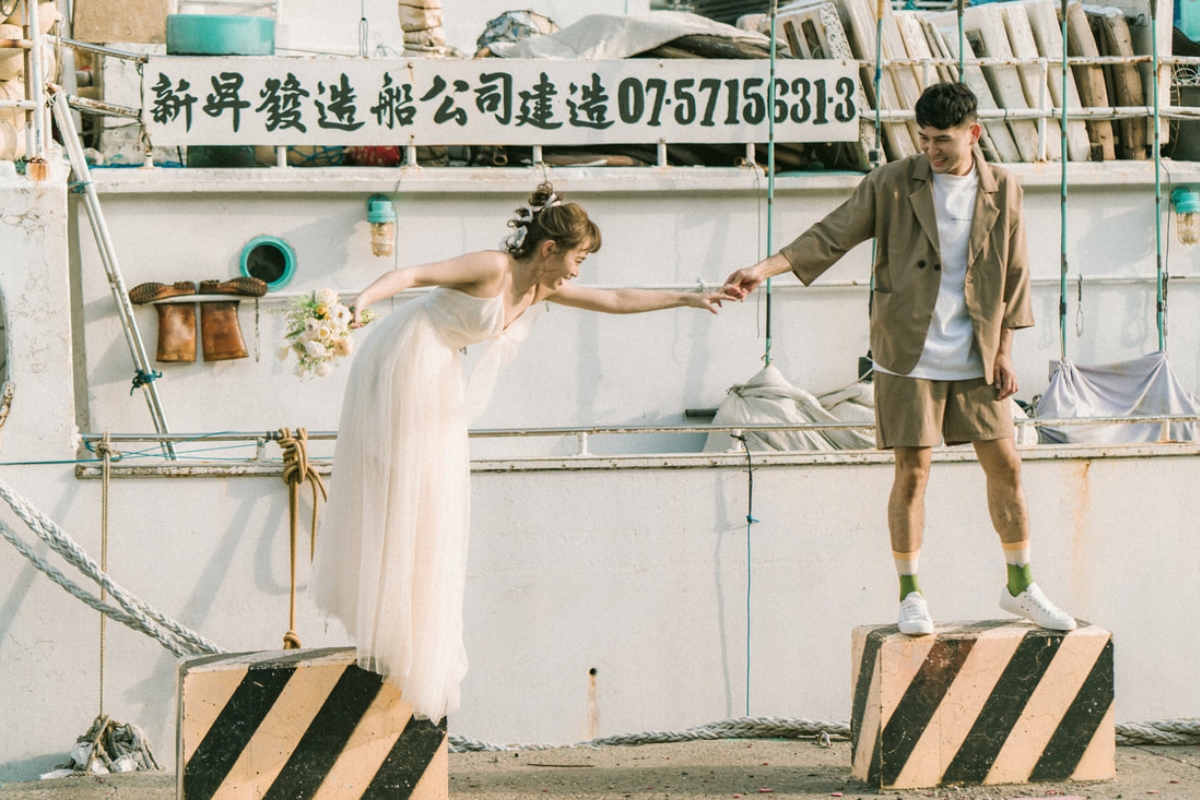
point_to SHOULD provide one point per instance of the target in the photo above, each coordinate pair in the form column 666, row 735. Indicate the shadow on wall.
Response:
column 6, row 386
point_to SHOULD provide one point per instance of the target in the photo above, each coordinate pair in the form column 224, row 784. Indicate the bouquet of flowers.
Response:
column 318, row 332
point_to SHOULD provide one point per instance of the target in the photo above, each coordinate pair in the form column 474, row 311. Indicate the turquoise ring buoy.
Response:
column 270, row 259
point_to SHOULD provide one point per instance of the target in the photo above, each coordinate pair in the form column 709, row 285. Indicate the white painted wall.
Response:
column 638, row 573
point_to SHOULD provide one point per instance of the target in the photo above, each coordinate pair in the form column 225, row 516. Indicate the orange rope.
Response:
column 296, row 470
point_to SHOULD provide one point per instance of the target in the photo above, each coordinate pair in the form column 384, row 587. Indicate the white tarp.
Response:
column 599, row 37
column 769, row 398
column 1142, row 387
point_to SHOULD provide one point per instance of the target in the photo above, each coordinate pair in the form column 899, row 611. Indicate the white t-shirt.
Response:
column 950, row 353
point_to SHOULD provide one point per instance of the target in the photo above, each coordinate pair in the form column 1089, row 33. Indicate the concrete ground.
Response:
column 799, row 770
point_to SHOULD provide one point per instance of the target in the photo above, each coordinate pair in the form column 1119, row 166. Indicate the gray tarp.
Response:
column 1142, row 387
column 599, row 37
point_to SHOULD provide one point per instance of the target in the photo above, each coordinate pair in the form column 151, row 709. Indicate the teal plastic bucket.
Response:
column 1189, row 18
column 220, row 35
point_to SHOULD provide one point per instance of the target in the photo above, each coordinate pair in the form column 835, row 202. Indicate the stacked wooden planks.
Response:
column 1022, row 30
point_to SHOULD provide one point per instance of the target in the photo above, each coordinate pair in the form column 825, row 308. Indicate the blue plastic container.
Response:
column 1189, row 18
column 220, row 35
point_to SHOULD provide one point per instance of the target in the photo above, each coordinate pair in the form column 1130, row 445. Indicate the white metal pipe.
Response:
column 36, row 81
column 108, row 256
column 584, row 433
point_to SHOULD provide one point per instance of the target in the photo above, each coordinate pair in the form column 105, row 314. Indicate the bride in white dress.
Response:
column 391, row 560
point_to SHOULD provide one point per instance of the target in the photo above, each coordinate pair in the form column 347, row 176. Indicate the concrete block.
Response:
column 982, row 703
column 296, row 724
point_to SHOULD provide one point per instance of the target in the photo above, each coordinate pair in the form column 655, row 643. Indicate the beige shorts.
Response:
column 914, row 412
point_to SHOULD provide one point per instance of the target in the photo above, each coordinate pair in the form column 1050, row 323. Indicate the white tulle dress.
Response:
column 392, row 547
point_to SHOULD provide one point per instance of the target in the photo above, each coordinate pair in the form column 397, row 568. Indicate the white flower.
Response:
column 327, row 297
column 324, row 368
column 311, row 326
column 340, row 314
column 324, row 332
column 316, row 349
column 282, row 352
column 300, row 370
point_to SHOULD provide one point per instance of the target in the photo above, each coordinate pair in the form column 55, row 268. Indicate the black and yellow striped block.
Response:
column 982, row 703
column 300, row 724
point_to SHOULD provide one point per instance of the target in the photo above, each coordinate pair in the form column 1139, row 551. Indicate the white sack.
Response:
column 769, row 398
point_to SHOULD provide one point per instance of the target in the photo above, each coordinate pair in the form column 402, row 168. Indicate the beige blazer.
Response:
column 894, row 204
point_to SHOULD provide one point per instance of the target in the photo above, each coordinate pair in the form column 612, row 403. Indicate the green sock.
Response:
column 1016, row 555
column 1019, row 578
column 908, row 585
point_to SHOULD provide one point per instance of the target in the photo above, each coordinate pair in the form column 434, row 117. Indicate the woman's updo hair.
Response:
column 547, row 217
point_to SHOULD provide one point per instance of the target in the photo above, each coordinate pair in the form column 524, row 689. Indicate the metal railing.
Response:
column 583, row 434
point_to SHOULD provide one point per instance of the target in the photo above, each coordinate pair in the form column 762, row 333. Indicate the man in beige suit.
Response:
column 951, row 284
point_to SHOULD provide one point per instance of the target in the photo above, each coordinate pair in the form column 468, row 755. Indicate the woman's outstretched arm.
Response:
column 480, row 274
column 635, row 301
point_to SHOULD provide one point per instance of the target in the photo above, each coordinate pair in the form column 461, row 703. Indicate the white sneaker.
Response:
column 1033, row 606
column 914, row 616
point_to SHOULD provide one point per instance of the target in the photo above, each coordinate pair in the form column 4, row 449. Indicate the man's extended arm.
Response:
column 747, row 279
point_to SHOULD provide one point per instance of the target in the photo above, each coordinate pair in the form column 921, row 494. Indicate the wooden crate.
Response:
column 981, row 703
column 294, row 724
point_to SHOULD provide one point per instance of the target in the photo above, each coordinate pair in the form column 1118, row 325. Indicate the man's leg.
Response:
column 1006, row 504
column 906, row 524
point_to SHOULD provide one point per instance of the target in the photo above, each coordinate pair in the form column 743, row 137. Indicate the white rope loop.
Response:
column 180, row 641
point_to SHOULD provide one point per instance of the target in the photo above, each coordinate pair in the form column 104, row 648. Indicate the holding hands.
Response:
column 742, row 282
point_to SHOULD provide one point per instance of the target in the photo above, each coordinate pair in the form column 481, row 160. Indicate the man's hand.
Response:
column 747, row 279
column 742, row 282
column 1004, row 377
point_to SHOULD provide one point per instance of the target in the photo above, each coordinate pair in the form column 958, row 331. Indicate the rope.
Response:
column 104, row 449
column 142, row 378
column 296, row 470
column 134, row 613
column 750, row 520
column 736, row 728
column 1163, row 731
column 1159, row 732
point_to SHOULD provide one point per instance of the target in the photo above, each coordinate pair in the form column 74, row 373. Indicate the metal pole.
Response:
column 36, row 81
column 1062, row 212
column 770, row 171
column 962, row 78
column 1160, row 277
column 145, row 376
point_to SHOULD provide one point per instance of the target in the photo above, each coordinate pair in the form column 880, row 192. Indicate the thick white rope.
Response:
column 148, row 620
column 1160, row 732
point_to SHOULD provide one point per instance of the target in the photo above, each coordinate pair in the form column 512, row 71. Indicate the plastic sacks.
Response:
column 768, row 398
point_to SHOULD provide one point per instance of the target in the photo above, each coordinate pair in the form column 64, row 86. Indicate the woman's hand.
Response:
column 357, row 307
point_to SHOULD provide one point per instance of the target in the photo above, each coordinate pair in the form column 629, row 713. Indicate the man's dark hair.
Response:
column 946, row 105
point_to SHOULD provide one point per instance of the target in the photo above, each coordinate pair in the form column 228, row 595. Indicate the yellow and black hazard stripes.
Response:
column 302, row 724
column 983, row 703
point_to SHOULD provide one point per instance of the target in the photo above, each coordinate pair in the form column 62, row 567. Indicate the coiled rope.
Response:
column 296, row 471
column 736, row 728
column 1158, row 732
column 132, row 612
